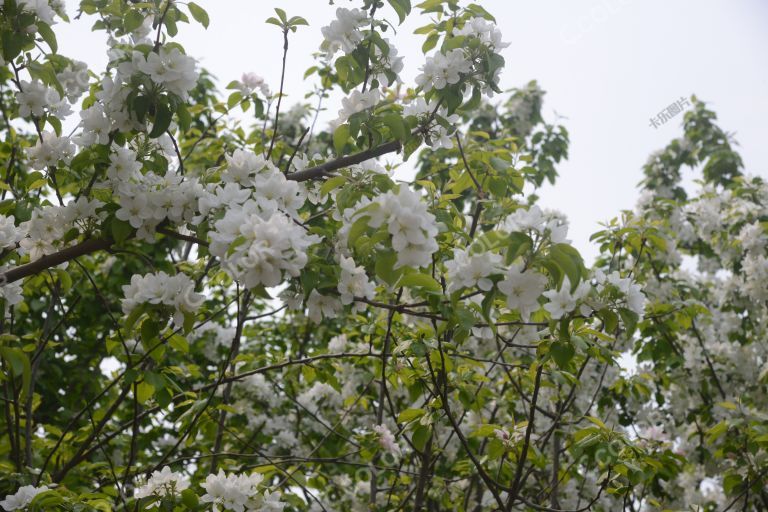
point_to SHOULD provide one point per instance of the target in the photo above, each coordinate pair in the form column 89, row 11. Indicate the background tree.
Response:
column 287, row 327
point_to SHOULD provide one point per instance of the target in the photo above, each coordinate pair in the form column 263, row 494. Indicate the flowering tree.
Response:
column 206, row 313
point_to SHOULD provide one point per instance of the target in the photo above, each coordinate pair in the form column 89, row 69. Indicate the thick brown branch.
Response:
column 51, row 260
column 345, row 161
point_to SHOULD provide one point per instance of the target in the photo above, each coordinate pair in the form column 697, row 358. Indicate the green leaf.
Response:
column 48, row 36
column 485, row 430
column 162, row 121
column 430, row 42
column 199, row 14
column 402, row 8
column 132, row 20
column 189, row 499
column 19, row 363
column 331, row 184
column 55, row 124
column 144, row 391
column 562, row 353
column 610, row 319
column 281, row 14
column 396, row 126
column 420, row 437
column 340, row 138
column 295, row 21
column 121, row 230
column 359, row 227
column 570, row 262
column 519, row 244
column 179, row 343
column 410, row 415
column 421, row 281
column 385, row 267
column 149, row 330
column 12, row 45
column 629, row 318
column 134, row 316
column 38, row 184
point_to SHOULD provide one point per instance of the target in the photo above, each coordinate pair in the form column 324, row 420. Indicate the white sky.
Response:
column 608, row 66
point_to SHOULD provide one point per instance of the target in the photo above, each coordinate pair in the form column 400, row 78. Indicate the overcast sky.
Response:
column 608, row 66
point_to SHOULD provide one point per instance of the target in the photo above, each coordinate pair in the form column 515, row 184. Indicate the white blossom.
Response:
column 487, row 32
column 412, row 228
column 233, row 492
column 250, row 83
column 74, row 80
column 10, row 234
column 172, row 69
column 322, row 306
column 259, row 249
column 40, row 8
column 354, row 282
column 35, row 97
column 50, row 149
column 177, row 292
column 550, row 224
column 95, row 126
column 441, row 70
column 562, row 301
column 22, row 497
column 387, row 439
column 356, row 102
column 343, row 33
column 467, row 270
column 522, row 288
column 161, row 484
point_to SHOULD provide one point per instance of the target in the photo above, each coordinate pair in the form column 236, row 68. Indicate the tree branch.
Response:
column 323, row 170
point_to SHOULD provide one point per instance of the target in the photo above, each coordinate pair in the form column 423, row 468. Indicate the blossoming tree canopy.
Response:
column 224, row 303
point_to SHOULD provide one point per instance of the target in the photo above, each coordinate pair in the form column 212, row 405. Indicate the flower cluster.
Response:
column 343, row 33
column 563, row 301
column 10, row 234
column 74, row 79
column 11, row 293
column 50, row 150
column 44, row 232
column 436, row 134
column 169, row 68
column 45, row 10
column 385, row 65
column 522, row 289
column 259, row 248
column 534, row 220
column 467, row 270
column 484, row 30
column 34, row 98
column 250, row 83
column 146, row 200
column 22, row 498
column 322, row 306
column 356, row 102
column 443, row 69
column 161, row 484
column 239, row 493
column 635, row 299
column 272, row 191
column 354, row 282
column 177, row 292
column 387, row 439
column 96, row 126
column 412, row 227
